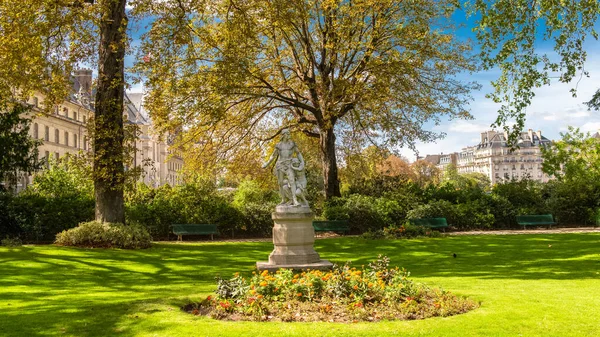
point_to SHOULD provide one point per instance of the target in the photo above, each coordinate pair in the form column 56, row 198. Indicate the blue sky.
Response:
column 552, row 110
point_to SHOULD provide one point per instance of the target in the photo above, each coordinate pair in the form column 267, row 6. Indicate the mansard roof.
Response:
column 498, row 140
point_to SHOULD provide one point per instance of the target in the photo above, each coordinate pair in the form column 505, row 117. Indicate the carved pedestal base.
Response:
column 293, row 238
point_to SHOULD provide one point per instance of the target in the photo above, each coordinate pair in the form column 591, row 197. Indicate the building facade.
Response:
column 494, row 158
column 64, row 131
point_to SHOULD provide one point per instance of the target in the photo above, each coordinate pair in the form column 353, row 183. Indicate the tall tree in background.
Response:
column 19, row 153
column 41, row 42
column 510, row 33
column 109, row 176
column 377, row 70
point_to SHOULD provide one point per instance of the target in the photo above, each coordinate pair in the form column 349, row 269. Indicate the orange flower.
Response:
column 263, row 284
column 299, row 294
column 259, row 296
column 355, row 287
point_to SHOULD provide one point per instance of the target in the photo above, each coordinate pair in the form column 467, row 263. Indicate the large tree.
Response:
column 41, row 42
column 109, row 175
column 376, row 70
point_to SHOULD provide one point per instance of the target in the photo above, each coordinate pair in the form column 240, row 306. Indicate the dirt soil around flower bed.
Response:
column 295, row 311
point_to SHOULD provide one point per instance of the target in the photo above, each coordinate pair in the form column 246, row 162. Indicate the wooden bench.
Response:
column 433, row 223
column 331, row 226
column 535, row 220
column 194, row 229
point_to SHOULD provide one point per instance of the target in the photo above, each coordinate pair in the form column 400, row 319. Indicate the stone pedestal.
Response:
column 293, row 238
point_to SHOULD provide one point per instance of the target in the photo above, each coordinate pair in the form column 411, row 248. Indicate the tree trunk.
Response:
column 330, row 170
column 108, row 131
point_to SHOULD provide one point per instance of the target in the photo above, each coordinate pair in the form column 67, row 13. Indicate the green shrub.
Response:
column 434, row 209
column 254, row 206
column 11, row 242
column 470, row 215
column 105, row 235
column 198, row 202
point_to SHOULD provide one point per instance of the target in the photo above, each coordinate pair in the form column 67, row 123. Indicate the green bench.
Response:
column 433, row 223
column 331, row 226
column 535, row 220
column 194, row 229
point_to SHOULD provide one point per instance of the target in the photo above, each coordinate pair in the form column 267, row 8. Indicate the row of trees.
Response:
column 226, row 75
column 382, row 195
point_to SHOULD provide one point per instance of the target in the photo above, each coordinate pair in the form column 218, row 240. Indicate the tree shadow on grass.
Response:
column 526, row 257
column 47, row 290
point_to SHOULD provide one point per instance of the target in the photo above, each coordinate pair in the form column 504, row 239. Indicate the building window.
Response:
column 74, row 115
column 85, row 140
column 56, row 156
column 514, row 167
column 35, row 130
column 56, row 136
column 36, row 102
column 84, row 119
column 47, row 157
column 47, row 133
column 66, row 112
column 66, row 138
column 75, row 140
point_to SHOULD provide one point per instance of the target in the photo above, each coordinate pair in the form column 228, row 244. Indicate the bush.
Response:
column 11, row 242
column 254, row 205
column 198, row 202
column 462, row 216
column 105, row 235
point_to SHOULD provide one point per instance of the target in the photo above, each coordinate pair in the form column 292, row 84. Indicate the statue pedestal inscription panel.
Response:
column 293, row 238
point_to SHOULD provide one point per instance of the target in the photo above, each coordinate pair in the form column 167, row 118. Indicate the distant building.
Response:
column 494, row 158
column 441, row 161
column 160, row 165
column 64, row 131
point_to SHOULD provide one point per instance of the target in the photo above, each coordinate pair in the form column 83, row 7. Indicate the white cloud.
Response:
column 590, row 127
column 463, row 126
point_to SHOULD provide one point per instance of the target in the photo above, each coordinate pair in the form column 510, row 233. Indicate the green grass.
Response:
column 526, row 288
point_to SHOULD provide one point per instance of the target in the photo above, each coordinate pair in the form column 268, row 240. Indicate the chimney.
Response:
column 84, row 80
column 539, row 134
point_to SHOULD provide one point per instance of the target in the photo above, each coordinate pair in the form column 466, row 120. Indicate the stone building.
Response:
column 160, row 165
column 64, row 131
column 494, row 158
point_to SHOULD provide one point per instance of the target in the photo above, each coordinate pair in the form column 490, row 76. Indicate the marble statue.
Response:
column 293, row 233
column 289, row 169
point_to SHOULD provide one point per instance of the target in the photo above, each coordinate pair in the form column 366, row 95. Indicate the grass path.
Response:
column 529, row 285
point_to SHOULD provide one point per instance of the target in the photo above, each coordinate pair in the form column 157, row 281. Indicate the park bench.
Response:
column 433, row 223
column 331, row 226
column 194, row 229
column 535, row 220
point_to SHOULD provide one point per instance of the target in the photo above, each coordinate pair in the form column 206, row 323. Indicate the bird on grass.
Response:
column 454, row 254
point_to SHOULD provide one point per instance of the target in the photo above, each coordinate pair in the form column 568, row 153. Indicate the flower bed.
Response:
column 344, row 294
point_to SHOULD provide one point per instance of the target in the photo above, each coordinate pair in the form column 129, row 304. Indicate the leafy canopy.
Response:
column 18, row 151
column 511, row 33
column 229, row 74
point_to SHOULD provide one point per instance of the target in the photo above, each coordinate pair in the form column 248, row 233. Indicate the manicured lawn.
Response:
column 526, row 288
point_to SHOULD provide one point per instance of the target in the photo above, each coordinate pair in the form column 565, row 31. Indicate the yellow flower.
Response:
column 263, row 283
